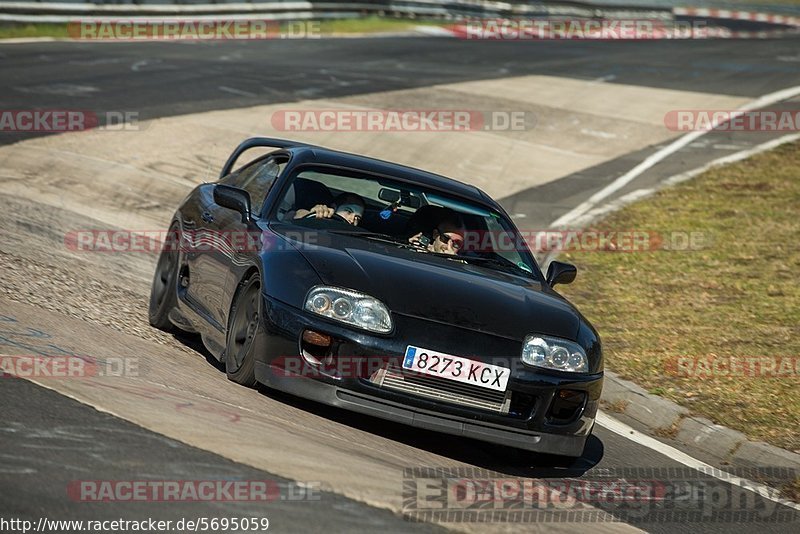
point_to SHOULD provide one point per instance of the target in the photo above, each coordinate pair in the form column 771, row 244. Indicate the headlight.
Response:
column 554, row 353
column 349, row 307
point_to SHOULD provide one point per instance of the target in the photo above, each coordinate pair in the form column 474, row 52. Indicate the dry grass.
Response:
column 371, row 24
column 791, row 490
column 737, row 297
column 618, row 406
column 16, row 31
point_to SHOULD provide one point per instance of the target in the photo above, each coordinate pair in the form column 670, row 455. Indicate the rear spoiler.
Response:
column 255, row 142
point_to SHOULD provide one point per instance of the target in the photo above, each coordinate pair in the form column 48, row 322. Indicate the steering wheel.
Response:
column 335, row 216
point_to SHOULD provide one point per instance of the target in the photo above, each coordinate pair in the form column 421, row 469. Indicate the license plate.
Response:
column 431, row 362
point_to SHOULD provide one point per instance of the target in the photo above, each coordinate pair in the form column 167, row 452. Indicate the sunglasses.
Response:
column 456, row 240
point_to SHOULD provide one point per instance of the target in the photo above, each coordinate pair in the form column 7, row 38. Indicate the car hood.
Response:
column 437, row 289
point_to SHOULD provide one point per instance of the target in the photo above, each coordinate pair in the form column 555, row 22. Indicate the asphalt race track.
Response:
column 180, row 419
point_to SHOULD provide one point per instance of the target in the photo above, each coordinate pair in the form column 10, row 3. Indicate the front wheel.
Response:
column 243, row 328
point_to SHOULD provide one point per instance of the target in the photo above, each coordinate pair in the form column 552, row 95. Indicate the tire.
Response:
column 244, row 325
column 163, row 292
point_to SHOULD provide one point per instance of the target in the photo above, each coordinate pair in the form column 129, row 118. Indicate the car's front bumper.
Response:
column 530, row 426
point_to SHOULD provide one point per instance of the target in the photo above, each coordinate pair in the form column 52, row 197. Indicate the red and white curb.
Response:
column 789, row 26
column 463, row 33
column 726, row 14
column 793, row 23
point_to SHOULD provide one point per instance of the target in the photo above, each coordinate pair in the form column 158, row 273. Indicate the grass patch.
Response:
column 791, row 490
column 17, row 31
column 669, row 432
column 737, row 297
column 618, row 406
column 371, row 24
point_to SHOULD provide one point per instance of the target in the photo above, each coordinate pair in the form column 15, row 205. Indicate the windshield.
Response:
column 424, row 220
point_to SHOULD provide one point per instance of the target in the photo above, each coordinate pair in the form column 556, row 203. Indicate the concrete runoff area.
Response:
column 134, row 179
column 47, row 453
column 180, row 395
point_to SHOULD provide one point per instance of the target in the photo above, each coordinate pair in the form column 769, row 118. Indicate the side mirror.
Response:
column 233, row 198
column 561, row 273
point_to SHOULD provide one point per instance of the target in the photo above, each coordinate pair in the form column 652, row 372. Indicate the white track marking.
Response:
column 598, row 133
column 665, row 152
column 61, row 89
column 136, row 67
column 638, row 194
column 726, row 147
column 27, row 40
column 234, row 91
column 625, row 431
column 732, row 158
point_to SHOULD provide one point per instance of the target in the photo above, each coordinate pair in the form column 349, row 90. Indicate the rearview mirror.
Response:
column 234, row 199
column 561, row 273
column 388, row 195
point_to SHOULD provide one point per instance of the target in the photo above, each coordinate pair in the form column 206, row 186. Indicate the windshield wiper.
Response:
column 358, row 232
column 502, row 263
column 499, row 262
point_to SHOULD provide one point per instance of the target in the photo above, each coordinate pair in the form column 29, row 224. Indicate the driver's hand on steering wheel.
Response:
column 321, row 211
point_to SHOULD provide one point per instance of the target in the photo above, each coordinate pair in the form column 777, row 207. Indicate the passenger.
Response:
column 348, row 206
column 447, row 235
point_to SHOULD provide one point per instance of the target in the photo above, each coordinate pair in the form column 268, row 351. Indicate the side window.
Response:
column 257, row 179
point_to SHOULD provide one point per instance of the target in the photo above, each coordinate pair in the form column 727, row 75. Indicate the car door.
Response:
column 226, row 239
column 207, row 255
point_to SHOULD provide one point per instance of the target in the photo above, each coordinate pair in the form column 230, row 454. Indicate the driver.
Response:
column 448, row 235
column 348, row 206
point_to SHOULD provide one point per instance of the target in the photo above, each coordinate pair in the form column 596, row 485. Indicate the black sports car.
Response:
column 382, row 289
